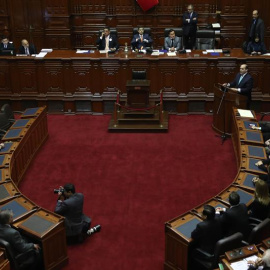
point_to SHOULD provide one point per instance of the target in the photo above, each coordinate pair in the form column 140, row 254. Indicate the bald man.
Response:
column 256, row 27
column 27, row 49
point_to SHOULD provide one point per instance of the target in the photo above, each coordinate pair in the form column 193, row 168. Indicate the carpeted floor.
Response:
column 133, row 183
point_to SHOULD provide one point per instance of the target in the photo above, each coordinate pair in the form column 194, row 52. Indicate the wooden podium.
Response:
column 222, row 119
column 138, row 93
column 138, row 113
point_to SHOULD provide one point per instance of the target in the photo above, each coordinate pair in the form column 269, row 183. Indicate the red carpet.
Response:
column 133, row 183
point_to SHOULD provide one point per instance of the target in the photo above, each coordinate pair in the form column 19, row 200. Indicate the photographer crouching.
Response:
column 70, row 205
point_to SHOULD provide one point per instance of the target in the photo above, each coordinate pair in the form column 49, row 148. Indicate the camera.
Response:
column 56, row 191
column 93, row 230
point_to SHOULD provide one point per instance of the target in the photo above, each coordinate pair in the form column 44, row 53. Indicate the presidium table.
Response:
column 67, row 81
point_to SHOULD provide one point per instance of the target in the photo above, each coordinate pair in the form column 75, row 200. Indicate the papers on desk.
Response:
column 243, row 264
column 103, row 51
column 157, row 52
column 266, row 54
column 84, row 51
column 245, row 113
column 41, row 54
column 171, row 53
column 46, row 50
column 188, row 51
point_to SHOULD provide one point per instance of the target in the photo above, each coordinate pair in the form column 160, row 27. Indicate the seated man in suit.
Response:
column 141, row 40
column 264, row 127
column 107, row 41
column 209, row 231
column 172, row 43
column 27, row 49
column 6, row 45
column 235, row 219
column 18, row 245
column 242, row 83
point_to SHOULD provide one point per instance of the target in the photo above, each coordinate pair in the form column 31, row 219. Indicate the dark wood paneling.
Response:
column 63, row 77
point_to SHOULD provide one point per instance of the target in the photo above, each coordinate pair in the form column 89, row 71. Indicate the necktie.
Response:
column 107, row 43
column 141, row 38
column 5, row 46
column 26, row 51
column 240, row 79
column 172, row 43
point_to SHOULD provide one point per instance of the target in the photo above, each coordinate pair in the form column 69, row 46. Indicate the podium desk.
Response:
column 138, row 93
column 253, row 151
column 213, row 202
column 245, row 196
column 14, row 134
column 4, row 175
column 244, row 179
column 32, row 112
column 8, row 191
column 48, row 229
column 22, row 123
column 8, row 148
column 5, row 160
column 251, row 137
column 238, row 255
column 245, row 124
column 20, row 206
column 248, row 165
column 178, row 241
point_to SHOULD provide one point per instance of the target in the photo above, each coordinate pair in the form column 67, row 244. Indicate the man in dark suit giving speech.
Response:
column 242, row 83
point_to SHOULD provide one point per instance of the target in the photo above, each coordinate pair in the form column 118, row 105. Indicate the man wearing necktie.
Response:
column 190, row 19
column 141, row 40
column 6, row 45
column 107, row 41
column 27, row 48
column 242, row 84
column 256, row 27
column 172, row 43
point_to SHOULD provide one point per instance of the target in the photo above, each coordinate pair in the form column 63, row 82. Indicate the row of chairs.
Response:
column 205, row 38
column 260, row 230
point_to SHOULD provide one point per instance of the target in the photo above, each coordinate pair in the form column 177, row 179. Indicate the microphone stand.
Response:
column 224, row 135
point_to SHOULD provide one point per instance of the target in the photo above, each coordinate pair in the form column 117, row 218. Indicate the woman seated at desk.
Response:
column 260, row 207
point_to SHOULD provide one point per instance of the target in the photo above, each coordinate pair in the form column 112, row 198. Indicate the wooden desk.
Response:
column 248, row 165
column 49, row 230
column 8, row 191
column 178, row 240
column 251, row 137
column 9, row 148
column 20, row 206
column 244, row 179
column 67, row 81
column 253, row 151
column 4, row 174
column 239, row 254
column 245, row 196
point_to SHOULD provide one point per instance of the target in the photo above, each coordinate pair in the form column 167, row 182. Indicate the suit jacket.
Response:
column 259, row 29
column 190, row 29
column 147, row 41
column 207, row 233
column 245, row 85
column 72, row 210
column 10, row 46
column 113, row 43
column 31, row 48
column 176, row 43
column 14, row 238
column 235, row 219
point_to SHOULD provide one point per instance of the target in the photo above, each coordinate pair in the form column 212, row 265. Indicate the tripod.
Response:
column 224, row 135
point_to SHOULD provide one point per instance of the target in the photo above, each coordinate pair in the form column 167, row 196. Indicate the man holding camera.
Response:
column 70, row 205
